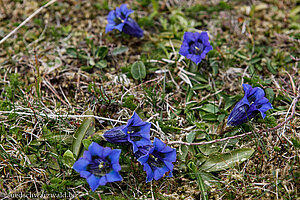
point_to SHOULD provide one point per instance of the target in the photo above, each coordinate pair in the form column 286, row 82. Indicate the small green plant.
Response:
column 96, row 57
column 138, row 70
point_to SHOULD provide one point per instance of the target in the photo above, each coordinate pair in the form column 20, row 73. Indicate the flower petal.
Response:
column 259, row 93
column 96, row 150
column 143, row 159
column 203, row 37
column 158, row 144
column 247, row 88
column 196, row 59
column 196, row 36
column 169, row 165
column 171, row 156
column 116, row 166
column 264, row 108
column 184, row 50
column 85, row 174
column 102, row 180
column 159, row 173
column 111, row 17
column 119, row 27
column 126, row 12
column 188, row 37
column 113, row 176
column 93, row 181
column 115, row 155
column 81, row 164
column 135, row 120
column 106, row 151
column 87, row 155
column 149, row 172
column 109, row 27
column 238, row 114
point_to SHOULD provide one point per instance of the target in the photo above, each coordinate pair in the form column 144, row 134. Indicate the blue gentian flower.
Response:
column 116, row 135
column 252, row 103
column 195, row 46
column 99, row 165
column 143, row 150
column 135, row 132
column 119, row 19
column 158, row 160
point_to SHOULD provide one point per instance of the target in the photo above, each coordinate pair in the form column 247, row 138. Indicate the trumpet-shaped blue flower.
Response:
column 252, row 103
column 99, row 165
column 142, row 151
column 116, row 135
column 195, row 46
column 119, row 19
column 157, row 160
column 135, row 132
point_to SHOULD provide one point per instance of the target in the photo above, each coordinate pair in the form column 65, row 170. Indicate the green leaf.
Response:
column 193, row 67
column 201, row 186
column 52, row 163
column 294, row 12
column 189, row 94
column 182, row 21
column 68, row 159
column 57, row 138
column 223, row 161
column 240, row 55
column 201, row 78
column 138, row 70
column 258, row 67
column 200, row 86
column 183, row 152
column 210, row 108
column 229, row 102
column 221, row 117
column 270, row 67
column 295, row 142
column 87, row 128
column 71, row 52
column 155, row 5
column 210, row 117
column 101, row 64
column 119, row 50
column 191, row 136
column 86, row 143
column 82, row 55
column 67, row 29
column 270, row 94
column 209, row 149
column 91, row 61
column 87, row 68
column 101, row 52
column 254, row 60
column 215, row 68
column 208, row 179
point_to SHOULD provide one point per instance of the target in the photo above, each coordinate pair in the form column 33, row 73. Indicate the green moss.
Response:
column 128, row 102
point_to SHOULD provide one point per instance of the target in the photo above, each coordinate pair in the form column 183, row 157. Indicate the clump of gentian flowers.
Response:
column 119, row 19
column 100, row 165
column 253, row 102
column 135, row 132
column 156, row 158
column 195, row 46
